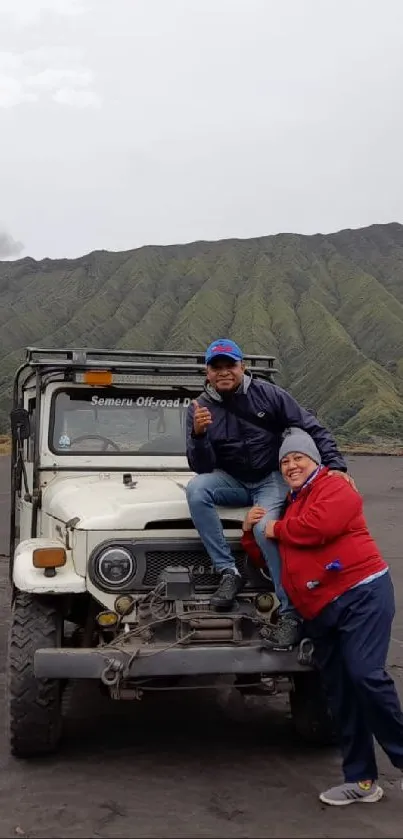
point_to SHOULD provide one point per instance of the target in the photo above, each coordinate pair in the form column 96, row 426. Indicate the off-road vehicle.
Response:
column 110, row 580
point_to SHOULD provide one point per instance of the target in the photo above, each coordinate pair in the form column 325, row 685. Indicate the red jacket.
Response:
column 324, row 524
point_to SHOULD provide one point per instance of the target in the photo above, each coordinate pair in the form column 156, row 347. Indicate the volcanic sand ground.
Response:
column 198, row 765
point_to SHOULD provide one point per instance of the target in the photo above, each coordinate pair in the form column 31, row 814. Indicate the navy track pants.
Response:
column 351, row 637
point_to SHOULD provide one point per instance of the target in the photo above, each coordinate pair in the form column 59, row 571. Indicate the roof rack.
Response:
column 134, row 360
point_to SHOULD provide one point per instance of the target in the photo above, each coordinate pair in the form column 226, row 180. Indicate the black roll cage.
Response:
column 44, row 364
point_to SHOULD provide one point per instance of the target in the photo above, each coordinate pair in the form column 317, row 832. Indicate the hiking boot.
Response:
column 230, row 585
column 284, row 635
column 362, row 792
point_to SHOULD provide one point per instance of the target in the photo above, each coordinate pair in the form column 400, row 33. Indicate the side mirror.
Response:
column 20, row 425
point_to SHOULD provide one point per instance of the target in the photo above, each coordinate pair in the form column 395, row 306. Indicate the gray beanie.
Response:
column 297, row 440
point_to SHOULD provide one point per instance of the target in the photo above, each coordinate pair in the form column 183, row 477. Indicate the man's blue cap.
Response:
column 223, row 346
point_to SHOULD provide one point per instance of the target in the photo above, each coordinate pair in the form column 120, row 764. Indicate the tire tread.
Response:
column 33, row 705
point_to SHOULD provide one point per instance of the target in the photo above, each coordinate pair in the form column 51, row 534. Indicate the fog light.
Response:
column 107, row 619
column 124, row 604
column 265, row 602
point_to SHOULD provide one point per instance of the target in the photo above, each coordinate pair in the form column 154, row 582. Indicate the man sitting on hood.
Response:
column 234, row 433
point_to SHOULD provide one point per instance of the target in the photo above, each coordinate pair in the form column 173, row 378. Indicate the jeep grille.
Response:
column 195, row 559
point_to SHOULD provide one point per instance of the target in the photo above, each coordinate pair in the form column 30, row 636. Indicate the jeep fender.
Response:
column 33, row 580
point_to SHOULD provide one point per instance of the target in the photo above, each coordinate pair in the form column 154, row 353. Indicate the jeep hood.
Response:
column 104, row 503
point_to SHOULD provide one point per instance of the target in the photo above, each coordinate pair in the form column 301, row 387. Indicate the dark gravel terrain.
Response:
column 198, row 766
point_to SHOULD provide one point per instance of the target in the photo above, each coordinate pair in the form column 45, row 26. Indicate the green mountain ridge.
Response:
column 329, row 307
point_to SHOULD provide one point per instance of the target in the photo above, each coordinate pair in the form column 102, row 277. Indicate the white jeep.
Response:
column 110, row 580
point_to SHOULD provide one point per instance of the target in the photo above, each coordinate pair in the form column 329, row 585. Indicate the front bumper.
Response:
column 133, row 662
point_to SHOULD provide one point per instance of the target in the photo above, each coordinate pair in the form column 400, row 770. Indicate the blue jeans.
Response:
column 218, row 489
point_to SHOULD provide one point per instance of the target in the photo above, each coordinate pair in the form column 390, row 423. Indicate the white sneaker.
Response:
column 352, row 793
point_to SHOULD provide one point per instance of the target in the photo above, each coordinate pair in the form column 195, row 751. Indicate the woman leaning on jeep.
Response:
column 335, row 576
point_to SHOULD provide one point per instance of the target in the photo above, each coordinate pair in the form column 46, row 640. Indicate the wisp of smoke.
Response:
column 9, row 246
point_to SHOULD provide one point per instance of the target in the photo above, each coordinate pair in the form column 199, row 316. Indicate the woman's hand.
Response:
column 254, row 515
column 346, row 477
column 269, row 529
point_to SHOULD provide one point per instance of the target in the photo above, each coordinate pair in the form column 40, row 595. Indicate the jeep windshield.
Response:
column 111, row 420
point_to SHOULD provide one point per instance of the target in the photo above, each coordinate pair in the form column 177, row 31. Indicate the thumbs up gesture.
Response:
column 201, row 418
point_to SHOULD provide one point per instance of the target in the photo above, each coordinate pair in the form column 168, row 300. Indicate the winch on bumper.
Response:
column 177, row 634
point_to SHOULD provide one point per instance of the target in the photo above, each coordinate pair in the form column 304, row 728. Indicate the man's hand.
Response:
column 269, row 529
column 346, row 477
column 253, row 516
column 201, row 418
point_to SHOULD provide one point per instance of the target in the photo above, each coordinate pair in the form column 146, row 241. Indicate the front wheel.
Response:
column 310, row 712
column 34, row 709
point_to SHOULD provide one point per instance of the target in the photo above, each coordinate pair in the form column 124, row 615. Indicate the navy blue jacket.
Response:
column 242, row 449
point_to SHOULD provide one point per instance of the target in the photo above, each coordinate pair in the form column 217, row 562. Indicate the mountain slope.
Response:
column 329, row 307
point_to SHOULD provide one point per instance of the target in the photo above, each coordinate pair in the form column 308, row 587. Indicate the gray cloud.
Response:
column 25, row 12
column 33, row 76
column 9, row 247
column 156, row 121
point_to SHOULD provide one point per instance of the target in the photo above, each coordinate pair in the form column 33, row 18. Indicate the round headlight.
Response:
column 115, row 567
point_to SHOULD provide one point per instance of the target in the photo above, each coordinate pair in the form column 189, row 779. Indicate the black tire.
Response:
column 34, row 713
column 310, row 712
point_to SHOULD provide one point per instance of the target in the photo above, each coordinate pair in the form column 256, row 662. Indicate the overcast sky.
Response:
column 131, row 122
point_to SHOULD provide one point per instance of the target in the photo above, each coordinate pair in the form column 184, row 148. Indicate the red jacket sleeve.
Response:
column 251, row 547
column 324, row 518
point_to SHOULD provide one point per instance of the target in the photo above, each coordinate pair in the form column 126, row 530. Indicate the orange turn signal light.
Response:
column 98, row 377
column 49, row 557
